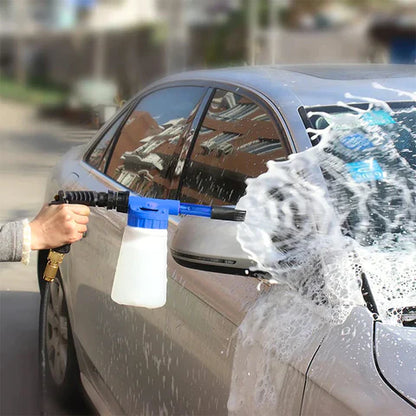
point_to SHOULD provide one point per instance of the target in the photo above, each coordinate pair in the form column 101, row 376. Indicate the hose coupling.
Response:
column 52, row 266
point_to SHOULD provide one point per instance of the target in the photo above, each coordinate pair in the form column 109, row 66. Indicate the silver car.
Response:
column 249, row 325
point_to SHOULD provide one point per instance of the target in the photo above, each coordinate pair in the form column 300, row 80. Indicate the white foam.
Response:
column 293, row 225
column 295, row 230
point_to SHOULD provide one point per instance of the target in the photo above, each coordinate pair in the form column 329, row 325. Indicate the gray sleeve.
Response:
column 11, row 241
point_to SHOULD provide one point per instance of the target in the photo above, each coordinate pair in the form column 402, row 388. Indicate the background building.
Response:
column 132, row 42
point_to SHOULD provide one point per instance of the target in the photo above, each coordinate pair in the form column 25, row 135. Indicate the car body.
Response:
column 196, row 137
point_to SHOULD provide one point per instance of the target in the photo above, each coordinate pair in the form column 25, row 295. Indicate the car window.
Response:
column 98, row 157
column 147, row 149
column 236, row 139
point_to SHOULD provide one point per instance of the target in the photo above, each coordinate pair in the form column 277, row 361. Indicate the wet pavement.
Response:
column 29, row 148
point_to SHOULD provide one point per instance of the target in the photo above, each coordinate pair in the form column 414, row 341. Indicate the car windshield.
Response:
column 370, row 168
column 367, row 154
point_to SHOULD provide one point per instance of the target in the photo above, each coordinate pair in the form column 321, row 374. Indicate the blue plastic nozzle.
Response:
column 193, row 209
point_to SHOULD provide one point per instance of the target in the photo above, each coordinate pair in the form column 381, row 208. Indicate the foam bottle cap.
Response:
column 148, row 218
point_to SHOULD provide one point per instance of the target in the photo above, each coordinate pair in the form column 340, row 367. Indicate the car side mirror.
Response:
column 211, row 245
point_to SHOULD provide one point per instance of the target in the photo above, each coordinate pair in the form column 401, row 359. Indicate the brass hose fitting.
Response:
column 52, row 266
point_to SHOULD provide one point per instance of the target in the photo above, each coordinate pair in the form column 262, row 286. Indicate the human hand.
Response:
column 56, row 225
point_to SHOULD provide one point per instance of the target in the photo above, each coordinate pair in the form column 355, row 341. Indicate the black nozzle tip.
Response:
column 239, row 215
column 227, row 213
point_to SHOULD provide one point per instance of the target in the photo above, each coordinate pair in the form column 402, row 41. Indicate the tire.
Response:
column 60, row 376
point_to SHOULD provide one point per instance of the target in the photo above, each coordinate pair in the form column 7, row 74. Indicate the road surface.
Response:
column 29, row 147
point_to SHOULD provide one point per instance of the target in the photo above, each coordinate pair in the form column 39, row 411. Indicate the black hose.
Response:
column 42, row 346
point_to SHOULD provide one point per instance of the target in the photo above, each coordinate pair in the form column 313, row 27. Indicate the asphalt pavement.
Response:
column 29, row 148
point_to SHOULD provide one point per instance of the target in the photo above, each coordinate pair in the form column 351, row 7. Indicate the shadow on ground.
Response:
column 20, row 391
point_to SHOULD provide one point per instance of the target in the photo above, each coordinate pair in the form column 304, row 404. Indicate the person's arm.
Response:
column 11, row 241
column 54, row 226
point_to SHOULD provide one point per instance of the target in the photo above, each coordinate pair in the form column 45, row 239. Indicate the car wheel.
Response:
column 58, row 363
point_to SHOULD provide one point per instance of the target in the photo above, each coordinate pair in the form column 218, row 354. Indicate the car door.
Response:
column 118, row 345
column 221, row 371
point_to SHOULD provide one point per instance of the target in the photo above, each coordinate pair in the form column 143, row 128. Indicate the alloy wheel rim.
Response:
column 57, row 333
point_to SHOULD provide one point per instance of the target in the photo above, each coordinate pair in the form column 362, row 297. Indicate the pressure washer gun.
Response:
column 147, row 224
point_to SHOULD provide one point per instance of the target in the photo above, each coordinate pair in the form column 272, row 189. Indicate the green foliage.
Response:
column 227, row 44
column 31, row 94
column 377, row 4
column 159, row 34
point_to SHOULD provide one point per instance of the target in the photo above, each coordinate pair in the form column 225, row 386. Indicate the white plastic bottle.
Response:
column 140, row 277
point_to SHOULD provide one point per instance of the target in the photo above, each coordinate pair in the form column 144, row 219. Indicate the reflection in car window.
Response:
column 99, row 155
column 235, row 141
column 147, row 149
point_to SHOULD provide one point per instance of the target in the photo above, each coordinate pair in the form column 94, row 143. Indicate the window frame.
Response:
column 123, row 113
column 258, row 99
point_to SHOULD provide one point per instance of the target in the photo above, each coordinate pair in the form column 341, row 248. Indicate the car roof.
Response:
column 312, row 85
